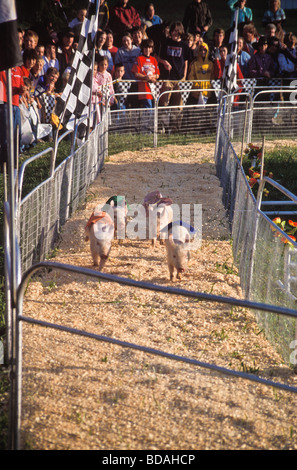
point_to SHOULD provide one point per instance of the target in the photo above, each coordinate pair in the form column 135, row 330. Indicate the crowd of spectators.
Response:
column 142, row 46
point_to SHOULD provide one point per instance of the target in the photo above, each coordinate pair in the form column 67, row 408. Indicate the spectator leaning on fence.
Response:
column 202, row 70
column 146, row 70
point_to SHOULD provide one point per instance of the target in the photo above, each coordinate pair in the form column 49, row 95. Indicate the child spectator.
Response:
column 36, row 71
column 102, row 84
column 146, row 70
column 120, row 100
column 40, row 49
column 47, row 101
column 50, row 56
column 174, row 54
column 201, row 69
column 29, row 60
column 127, row 55
column 216, row 43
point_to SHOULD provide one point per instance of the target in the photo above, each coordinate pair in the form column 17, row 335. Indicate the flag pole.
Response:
column 92, row 73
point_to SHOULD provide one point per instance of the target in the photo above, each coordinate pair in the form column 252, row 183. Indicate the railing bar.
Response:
column 157, row 352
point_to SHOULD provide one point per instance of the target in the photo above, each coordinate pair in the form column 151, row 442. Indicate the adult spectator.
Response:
column 287, row 64
column 250, row 36
column 243, row 58
column 65, row 53
column 123, row 17
column 150, row 18
column 245, row 14
column 197, row 17
column 275, row 14
column 103, row 15
column 76, row 24
column 127, row 55
column 270, row 30
column 137, row 36
column 30, row 39
column 261, row 64
column 109, row 45
column 100, row 41
column 216, row 43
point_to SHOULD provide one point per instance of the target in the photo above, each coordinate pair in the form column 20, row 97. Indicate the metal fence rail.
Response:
column 17, row 375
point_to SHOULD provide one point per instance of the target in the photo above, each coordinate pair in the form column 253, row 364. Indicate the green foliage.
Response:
column 282, row 163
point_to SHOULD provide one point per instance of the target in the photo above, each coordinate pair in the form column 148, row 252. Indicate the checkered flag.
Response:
column 185, row 88
column 230, row 71
column 77, row 92
column 121, row 91
column 156, row 89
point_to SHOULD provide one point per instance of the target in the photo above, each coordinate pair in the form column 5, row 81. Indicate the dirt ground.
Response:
column 79, row 393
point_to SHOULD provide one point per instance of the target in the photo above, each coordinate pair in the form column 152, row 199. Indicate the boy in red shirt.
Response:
column 146, row 69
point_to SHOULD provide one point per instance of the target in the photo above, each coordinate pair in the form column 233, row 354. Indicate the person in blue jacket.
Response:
column 245, row 15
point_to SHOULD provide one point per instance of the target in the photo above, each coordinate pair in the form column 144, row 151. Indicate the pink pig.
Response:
column 100, row 231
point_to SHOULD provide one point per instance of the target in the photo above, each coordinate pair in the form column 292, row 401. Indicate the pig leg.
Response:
column 103, row 260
